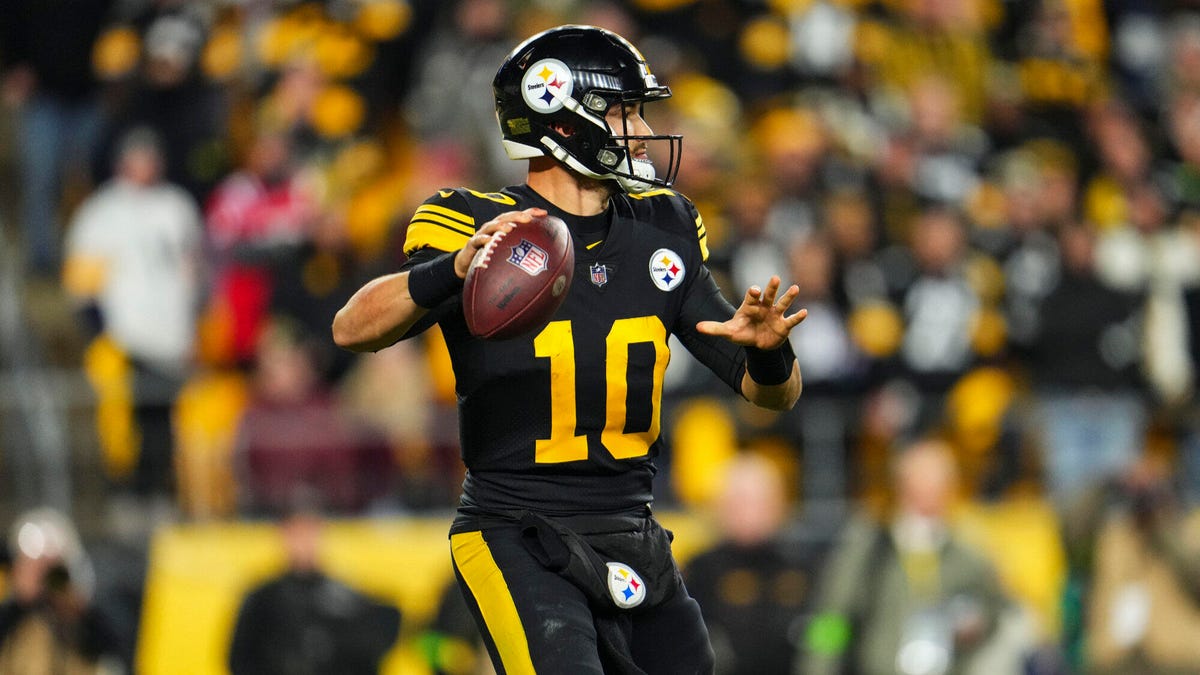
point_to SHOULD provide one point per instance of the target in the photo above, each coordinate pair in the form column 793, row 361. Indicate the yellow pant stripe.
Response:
column 486, row 583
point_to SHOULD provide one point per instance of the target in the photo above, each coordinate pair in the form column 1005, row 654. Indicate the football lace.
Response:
column 491, row 248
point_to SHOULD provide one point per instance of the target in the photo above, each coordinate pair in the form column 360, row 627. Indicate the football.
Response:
column 516, row 283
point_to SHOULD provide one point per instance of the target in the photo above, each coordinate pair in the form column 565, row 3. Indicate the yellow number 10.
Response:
column 556, row 342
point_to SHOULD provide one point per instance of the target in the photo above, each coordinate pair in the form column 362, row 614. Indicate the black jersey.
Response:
column 568, row 419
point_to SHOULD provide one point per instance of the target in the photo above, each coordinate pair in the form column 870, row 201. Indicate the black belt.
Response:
column 631, row 520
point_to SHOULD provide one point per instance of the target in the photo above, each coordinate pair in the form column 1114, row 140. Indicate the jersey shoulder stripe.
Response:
column 654, row 193
column 458, row 217
column 428, row 234
column 701, row 234
column 443, row 222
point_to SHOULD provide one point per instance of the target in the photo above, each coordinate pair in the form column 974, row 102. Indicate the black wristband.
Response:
column 770, row 366
column 429, row 283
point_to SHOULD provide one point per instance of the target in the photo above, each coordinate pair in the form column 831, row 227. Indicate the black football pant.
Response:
column 535, row 621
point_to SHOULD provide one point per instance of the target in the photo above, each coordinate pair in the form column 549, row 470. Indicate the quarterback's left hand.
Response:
column 761, row 321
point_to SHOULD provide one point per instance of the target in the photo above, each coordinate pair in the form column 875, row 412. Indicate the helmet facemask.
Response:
column 598, row 150
column 636, row 174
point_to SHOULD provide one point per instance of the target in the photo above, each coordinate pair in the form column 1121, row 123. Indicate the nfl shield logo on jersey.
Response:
column 599, row 274
column 626, row 587
column 529, row 257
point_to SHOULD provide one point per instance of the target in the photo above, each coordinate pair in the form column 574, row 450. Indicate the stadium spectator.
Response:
column 289, row 108
column 829, row 351
column 1138, row 544
column 754, row 587
column 1084, row 364
column 48, row 623
column 1158, row 258
column 321, row 276
column 166, row 91
column 1058, row 65
column 853, row 231
column 258, row 218
column 303, row 622
column 793, row 146
column 920, row 38
column 940, row 307
column 754, row 245
column 464, row 52
column 135, row 269
column 904, row 595
column 417, row 420
column 294, row 436
column 1036, row 180
column 1110, row 198
column 836, row 371
column 46, row 52
column 1143, row 49
column 948, row 150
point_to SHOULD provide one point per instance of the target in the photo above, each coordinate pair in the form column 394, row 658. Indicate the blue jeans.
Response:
column 1089, row 437
column 53, row 135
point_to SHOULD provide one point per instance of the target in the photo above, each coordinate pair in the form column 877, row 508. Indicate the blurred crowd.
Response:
column 992, row 210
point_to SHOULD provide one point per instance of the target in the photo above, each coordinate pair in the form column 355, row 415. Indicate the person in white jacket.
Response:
column 134, row 257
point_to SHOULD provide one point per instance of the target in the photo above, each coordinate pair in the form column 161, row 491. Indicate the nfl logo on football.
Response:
column 529, row 257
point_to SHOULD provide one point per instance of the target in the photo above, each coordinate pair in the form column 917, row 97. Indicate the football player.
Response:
column 554, row 545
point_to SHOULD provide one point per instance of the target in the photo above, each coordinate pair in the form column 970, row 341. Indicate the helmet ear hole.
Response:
column 564, row 129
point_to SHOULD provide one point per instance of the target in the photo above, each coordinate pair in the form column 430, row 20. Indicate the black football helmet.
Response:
column 572, row 75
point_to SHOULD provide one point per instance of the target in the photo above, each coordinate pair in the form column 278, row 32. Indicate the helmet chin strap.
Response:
column 643, row 169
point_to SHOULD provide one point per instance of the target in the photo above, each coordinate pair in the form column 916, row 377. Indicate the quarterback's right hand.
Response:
column 504, row 222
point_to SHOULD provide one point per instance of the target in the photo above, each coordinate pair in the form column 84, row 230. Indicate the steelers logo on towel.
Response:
column 666, row 269
column 626, row 587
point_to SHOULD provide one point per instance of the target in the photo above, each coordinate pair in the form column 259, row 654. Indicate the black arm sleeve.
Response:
column 435, row 314
column 704, row 302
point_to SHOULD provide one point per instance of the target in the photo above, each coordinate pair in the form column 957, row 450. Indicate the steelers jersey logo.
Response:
column 546, row 84
column 666, row 269
column 626, row 587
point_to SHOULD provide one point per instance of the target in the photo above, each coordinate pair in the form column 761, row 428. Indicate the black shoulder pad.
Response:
column 663, row 201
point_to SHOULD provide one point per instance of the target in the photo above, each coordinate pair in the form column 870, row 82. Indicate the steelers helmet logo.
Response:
column 666, row 269
column 546, row 84
column 626, row 587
